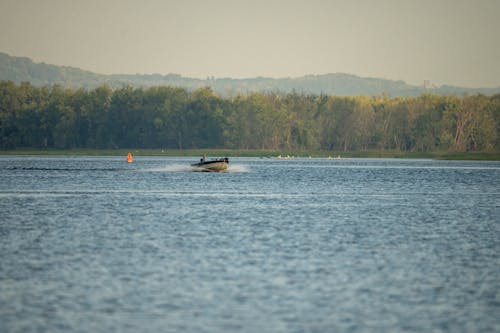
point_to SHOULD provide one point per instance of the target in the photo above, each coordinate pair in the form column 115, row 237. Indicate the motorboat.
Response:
column 215, row 165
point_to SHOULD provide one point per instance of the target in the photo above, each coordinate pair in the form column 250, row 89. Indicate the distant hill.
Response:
column 19, row 69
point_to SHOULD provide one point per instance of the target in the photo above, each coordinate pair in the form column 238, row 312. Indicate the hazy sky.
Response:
column 445, row 41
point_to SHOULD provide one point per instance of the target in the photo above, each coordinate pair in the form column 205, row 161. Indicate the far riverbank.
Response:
column 487, row 156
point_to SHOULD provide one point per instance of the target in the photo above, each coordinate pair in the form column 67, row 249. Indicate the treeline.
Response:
column 175, row 118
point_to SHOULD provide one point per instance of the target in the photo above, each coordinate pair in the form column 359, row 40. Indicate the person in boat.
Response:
column 203, row 158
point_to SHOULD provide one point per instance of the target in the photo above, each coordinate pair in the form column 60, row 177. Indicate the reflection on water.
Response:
column 94, row 244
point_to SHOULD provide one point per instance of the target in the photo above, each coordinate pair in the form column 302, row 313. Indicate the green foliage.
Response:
column 174, row 118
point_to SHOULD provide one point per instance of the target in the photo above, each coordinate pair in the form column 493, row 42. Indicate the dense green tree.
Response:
column 494, row 109
column 303, row 110
column 169, row 117
column 426, row 113
column 172, row 122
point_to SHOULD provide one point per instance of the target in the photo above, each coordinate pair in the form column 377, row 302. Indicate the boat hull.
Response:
column 210, row 166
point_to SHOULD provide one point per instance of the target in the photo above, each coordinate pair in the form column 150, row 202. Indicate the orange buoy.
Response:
column 129, row 158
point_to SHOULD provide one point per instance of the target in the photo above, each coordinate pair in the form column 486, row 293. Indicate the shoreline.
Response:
column 469, row 156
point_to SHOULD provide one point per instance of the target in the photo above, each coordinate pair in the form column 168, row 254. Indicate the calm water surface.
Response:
column 93, row 244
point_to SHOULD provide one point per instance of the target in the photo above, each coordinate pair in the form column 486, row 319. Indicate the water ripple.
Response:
column 94, row 245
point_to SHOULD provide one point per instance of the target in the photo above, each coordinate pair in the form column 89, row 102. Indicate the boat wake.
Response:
column 170, row 168
column 237, row 168
column 62, row 169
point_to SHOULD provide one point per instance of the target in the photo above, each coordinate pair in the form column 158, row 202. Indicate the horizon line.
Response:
column 424, row 83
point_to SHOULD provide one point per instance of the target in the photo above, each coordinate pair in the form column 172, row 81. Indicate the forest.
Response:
column 165, row 117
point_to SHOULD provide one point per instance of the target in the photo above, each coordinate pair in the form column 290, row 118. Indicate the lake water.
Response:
column 93, row 244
